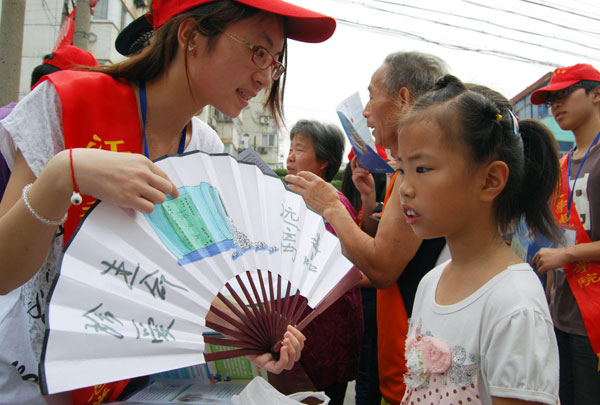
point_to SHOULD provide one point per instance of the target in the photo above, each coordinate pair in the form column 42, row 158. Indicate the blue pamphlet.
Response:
column 355, row 125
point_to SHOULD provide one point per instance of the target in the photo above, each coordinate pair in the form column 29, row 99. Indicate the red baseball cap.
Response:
column 68, row 56
column 301, row 24
column 564, row 77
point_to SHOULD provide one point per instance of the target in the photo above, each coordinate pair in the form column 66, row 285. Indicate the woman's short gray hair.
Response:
column 328, row 141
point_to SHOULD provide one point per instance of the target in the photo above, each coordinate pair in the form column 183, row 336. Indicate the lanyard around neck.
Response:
column 143, row 104
column 569, row 190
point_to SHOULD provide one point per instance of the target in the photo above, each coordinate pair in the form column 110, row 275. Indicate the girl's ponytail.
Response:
column 540, row 179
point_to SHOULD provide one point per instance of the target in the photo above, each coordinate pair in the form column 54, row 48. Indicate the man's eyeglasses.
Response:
column 560, row 94
column 261, row 57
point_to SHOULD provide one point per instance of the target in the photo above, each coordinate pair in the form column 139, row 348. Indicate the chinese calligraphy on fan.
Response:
column 291, row 220
column 105, row 321
column 155, row 282
column 308, row 260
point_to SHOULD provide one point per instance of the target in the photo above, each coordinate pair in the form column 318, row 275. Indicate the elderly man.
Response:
column 394, row 259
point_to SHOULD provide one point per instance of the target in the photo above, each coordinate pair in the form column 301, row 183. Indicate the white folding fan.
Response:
column 133, row 290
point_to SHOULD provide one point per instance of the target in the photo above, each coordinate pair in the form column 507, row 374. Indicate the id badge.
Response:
column 569, row 236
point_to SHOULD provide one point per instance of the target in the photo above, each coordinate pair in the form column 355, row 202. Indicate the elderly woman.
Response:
column 333, row 339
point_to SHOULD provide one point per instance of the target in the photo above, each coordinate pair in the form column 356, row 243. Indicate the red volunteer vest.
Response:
column 392, row 329
column 583, row 277
column 97, row 112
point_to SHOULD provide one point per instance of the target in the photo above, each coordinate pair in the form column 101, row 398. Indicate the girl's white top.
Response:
column 497, row 342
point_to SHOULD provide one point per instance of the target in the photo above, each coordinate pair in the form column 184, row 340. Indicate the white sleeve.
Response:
column 34, row 127
column 520, row 357
column 207, row 139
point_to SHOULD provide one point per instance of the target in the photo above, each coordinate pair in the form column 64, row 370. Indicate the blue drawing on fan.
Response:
column 195, row 226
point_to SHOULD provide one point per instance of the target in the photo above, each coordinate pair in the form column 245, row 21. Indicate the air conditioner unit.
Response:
column 263, row 119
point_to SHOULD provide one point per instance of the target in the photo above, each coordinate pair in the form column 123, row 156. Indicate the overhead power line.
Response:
column 545, row 21
column 479, row 31
column 562, row 10
column 499, row 53
column 492, row 23
column 510, row 54
column 513, row 12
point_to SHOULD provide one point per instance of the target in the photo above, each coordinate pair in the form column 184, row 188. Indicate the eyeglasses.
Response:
column 560, row 94
column 261, row 57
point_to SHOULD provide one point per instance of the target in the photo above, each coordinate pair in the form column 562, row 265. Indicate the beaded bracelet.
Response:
column 35, row 214
column 76, row 197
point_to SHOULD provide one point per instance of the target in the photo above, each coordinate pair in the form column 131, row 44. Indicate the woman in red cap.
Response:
column 62, row 138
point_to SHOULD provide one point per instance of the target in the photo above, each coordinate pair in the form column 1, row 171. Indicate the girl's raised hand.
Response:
column 124, row 179
column 289, row 353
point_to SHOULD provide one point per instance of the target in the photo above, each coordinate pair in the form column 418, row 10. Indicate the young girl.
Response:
column 480, row 330
column 60, row 142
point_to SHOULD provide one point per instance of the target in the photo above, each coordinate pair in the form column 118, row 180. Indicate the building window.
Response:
column 268, row 140
column 106, row 10
column 124, row 15
column 527, row 110
column 220, row 116
column 519, row 107
column 101, row 10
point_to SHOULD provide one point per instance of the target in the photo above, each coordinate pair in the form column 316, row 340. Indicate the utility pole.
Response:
column 82, row 25
column 11, row 43
column 65, row 12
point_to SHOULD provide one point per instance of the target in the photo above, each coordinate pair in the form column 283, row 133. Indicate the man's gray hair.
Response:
column 416, row 71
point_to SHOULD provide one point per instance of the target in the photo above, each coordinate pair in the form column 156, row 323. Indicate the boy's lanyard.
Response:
column 143, row 107
column 569, row 190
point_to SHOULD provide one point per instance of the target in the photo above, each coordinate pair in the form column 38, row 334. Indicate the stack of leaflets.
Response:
column 214, row 382
column 186, row 391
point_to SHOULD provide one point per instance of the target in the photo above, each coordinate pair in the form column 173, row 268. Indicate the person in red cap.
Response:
column 573, row 96
column 64, row 140
column 66, row 57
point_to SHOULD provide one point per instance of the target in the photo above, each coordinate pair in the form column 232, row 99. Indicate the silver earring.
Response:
column 190, row 48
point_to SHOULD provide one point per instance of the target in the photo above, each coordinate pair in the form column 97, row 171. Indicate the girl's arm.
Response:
column 547, row 259
column 128, row 180
column 290, row 351
column 291, row 345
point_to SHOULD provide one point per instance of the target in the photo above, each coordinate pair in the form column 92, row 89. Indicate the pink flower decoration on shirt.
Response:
column 436, row 355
